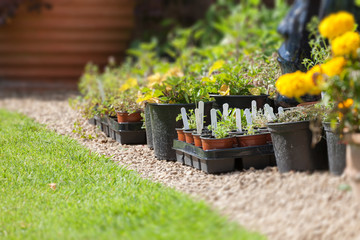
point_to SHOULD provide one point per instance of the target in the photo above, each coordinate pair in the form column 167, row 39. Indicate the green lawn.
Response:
column 94, row 198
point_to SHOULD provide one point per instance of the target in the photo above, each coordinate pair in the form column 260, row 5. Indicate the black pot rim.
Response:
column 286, row 127
column 238, row 96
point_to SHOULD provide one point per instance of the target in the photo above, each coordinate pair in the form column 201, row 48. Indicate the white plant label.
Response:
column 225, row 111
column 248, row 116
column 238, row 119
column 280, row 110
column 271, row 112
column 253, row 108
column 184, row 118
column 201, row 112
column 198, row 121
column 213, row 120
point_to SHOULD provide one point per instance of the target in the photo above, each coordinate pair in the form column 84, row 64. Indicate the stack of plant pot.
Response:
column 125, row 128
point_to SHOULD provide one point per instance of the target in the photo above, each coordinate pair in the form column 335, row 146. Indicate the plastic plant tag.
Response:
column 213, row 120
column 225, row 111
column 271, row 112
column 280, row 110
column 238, row 119
column 184, row 118
column 201, row 112
column 253, row 108
column 198, row 121
column 248, row 116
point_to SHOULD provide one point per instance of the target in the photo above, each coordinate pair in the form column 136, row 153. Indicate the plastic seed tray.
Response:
column 224, row 160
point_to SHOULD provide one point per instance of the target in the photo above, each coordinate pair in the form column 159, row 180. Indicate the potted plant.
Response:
column 167, row 96
column 220, row 138
column 232, row 85
column 292, row 141
column 339, row 78
column 187, row 133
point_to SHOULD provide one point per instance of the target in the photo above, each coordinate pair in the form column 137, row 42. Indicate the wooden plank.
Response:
column 72, row 24
column 52, row 35
column 58, row 48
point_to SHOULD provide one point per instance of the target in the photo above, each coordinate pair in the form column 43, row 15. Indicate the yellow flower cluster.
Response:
column 346, row 44
column 346, row 104
column 334, row 67
column 157, row 78
column 299, row 83
column 130, row 83
column 339, row 28
column 337, row 24
column 293, row 84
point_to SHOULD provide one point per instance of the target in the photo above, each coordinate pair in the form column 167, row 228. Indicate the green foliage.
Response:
column 320, row 50
column 91, row 197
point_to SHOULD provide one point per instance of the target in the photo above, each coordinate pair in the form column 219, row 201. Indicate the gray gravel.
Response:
column 281, row 206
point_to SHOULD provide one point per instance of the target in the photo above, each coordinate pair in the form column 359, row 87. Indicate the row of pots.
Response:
column 235, row 139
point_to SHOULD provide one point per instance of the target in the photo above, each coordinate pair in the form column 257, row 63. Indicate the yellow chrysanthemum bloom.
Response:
column 314, row 80
column 346, row 104
column 224, row 90
column 346, row 44
column 337, row 24
column 294, row 84
column 334, row 67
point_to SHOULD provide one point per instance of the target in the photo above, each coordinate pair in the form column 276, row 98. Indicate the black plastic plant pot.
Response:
column 239, row 101
column 336, row 151
column 125, row 126
column 292, row 147
column 149, row 137
column 163, row 124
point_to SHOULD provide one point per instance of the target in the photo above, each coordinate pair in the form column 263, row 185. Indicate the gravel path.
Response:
column 281, row 206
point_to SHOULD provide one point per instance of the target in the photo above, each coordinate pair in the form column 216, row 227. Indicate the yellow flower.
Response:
column 348, row 103
column 334, row 67
column 154, row 79
column 294, row 84
column 208, row 80
column 173, row 72
column 314, row 79
column 337, row 24
column 346, row 44
column 217, row 65
column 224, row 90
column 130, row 83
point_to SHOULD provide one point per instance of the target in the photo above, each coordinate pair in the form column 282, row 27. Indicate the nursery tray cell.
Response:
column 188, row 159
column 131, row 137
column 180, row 157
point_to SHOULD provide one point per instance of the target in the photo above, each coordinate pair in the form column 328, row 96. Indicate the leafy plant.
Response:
column 191, row 118
column 320, row 50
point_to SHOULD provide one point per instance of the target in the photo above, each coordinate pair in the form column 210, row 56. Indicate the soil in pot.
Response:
column 251, row 140
column 126, row 117
column 180, row 134
column 209, row 143
column 336, row 151
column 188, row 136
column 293, row 150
